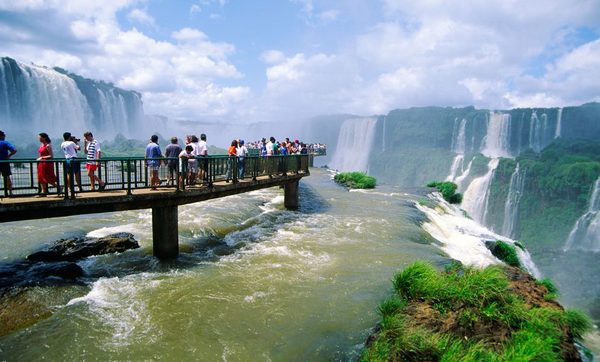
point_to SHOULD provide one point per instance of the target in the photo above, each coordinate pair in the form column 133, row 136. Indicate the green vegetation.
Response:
column 506, row 252
column 355, row 180
column 448, row 191
column 467, row 314
column 558, row 186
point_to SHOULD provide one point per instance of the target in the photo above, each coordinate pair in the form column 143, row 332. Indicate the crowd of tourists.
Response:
column 190, row 159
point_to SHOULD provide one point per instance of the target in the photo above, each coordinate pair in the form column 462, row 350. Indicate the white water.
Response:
column 354, row 145
column 558, row 130
column 537, row 132
column 585, row 235
column 475, row 198
column 496, row 142
column 464, row 239
column 511, row 207
column 458, row 136
column 460, row 179
column 39, row 99
column 53, row 100
column 457, row 164
column 383, row 134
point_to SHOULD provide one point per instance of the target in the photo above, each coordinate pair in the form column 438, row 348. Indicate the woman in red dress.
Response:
column 45, row 169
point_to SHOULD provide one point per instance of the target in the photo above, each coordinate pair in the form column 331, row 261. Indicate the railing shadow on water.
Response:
column 132, row 173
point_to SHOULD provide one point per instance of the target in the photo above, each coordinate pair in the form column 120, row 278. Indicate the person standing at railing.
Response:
column 242, row 152
column 70, row 147
column 45, row 170
column 231, row 152
column 193, row 172
column 185, row 157
column 153, row 154
column 202, row 154
column 93, row 154
column 172, row 152
column 7, row 150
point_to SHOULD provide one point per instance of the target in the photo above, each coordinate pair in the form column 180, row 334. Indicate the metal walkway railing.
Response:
column 130, row 173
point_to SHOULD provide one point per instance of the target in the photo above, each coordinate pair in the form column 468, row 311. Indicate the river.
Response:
column 253, row 282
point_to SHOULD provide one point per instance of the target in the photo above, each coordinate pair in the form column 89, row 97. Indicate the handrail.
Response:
column 131, row 173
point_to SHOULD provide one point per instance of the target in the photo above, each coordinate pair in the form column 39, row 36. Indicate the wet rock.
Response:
column 79, row 248
column 65, row 270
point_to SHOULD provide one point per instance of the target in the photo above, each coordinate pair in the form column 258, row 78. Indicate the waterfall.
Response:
column 458, row 163
column 475, row 198
column 383, row 134
column 538, row 128
column 458, row 147
column 558, row 129
column 354, row 145
column 585, row 235
column 35, row 99
column 511, row 207
column 496, row 142
column 460, row 179
column 464, row 239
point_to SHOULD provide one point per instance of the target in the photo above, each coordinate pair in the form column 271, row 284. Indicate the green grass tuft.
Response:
column 448, row 191
column 470, row 305
column 507, row 253
column 356, row 180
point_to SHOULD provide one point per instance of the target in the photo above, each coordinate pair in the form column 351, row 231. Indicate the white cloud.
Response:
column 328, row 15
column 141, row 16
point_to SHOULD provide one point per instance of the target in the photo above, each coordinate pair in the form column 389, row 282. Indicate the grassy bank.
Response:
column 355, row 180
column 467, row 314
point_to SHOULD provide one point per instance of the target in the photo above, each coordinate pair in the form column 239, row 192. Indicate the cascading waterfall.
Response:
column 496, row 142
column 383, row 135
column 585, row 235
column 457, row 164
column 354, row 145
column 35, row 99
column 511, row 207
column 538, row 128
column 458, row 147
column 558, row 130
column 460, row 179
column 475, row 198
column 41, row 99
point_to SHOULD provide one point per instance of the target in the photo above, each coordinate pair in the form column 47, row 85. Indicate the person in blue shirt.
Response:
column 6, row 152
column 153, row 155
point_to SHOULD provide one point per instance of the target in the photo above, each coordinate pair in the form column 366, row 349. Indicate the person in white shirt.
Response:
column 70, row 148
column 202, row 152
column 242, row 152
column 92, row 151
column 185, row 158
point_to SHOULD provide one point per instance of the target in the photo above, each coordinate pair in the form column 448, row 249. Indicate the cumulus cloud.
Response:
column 175, row 75
column 141, row 16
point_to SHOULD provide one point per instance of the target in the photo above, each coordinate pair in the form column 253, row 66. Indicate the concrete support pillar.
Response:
column 290, row 194
column 165, row 232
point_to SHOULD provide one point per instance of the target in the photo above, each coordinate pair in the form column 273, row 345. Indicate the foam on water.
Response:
column 464, row 239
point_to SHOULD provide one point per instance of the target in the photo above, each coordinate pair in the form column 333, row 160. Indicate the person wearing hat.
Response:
column 242, row 152
column 6, row 152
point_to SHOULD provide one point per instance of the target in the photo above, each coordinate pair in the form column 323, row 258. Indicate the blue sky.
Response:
column 246, row 61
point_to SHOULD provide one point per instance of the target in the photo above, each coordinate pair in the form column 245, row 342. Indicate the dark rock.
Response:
column 79, row 248
column 65, row 270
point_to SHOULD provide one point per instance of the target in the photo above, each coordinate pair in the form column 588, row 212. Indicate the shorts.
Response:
column 193, row 165
column 73, row 165
column 153, row 168
column 5, row 169
column 91, row 167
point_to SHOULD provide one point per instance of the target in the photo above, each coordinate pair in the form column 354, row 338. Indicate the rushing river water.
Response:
column 253, row 281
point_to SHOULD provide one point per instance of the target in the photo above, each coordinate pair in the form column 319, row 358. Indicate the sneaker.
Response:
column 102, row 187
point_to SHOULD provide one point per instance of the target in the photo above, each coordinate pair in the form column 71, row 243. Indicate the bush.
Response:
column 507, row 253
column 355, row 180
column 448, row 191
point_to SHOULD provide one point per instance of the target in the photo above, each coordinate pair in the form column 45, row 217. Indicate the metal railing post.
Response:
column 128, row 177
